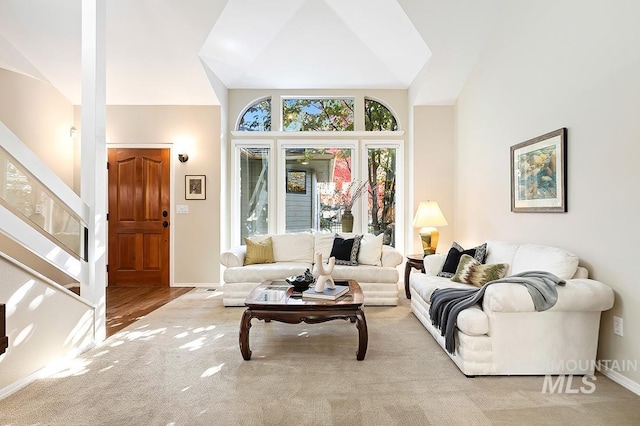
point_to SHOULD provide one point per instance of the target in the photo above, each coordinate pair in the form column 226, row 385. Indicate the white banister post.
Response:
column 93, row 182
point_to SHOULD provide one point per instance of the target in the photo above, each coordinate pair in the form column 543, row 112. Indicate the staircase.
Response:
column 43, row 237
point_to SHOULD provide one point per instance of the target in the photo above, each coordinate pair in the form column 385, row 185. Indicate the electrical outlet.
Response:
column 617, row 326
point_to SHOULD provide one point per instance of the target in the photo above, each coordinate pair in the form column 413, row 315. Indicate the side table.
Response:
column 413, row 261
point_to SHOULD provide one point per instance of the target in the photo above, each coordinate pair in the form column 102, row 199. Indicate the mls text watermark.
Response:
column 579, row 382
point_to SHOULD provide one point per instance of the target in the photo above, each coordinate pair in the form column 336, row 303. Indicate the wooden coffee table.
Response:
column 275, row 300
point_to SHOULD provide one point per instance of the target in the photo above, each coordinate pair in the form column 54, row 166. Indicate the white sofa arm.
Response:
column 390, row 256
column 233, row 257
column 433, row 263
column 577, row 295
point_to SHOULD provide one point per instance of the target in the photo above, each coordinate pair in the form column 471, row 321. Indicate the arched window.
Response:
column 257, row 118
column 305, row 114
column 377, row 117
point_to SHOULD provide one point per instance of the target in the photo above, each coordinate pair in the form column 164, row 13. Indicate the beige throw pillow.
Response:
column 259, row 251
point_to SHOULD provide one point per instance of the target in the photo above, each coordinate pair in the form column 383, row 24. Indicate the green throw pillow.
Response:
column 259, row 251
column 470, row 271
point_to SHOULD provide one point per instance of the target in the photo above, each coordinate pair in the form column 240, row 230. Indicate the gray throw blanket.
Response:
column 447, row 303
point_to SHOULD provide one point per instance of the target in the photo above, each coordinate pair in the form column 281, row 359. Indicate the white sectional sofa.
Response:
column 505, row 335
column 293, row 253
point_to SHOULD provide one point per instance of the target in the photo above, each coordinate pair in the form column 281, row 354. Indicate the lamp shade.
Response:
column 429, row 214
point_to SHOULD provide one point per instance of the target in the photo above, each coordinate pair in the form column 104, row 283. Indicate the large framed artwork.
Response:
column 195, row 187
column 539, row 174
column 296, row 182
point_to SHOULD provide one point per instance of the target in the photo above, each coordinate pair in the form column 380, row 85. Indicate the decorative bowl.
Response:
column 300, row 287
column 300, row 282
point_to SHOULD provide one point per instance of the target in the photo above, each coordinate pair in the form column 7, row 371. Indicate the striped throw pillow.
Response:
column 470, row 271
column 259, row 252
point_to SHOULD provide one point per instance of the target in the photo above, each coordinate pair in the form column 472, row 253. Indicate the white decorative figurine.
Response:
column 324, row 273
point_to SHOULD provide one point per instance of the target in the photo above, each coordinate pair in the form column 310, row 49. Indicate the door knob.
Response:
column 165, row 224
column 165, row 213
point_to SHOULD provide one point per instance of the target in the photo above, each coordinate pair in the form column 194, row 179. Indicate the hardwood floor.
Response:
column 127, row 304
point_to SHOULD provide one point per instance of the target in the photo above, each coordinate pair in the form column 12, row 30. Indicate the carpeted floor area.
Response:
column 181, row 365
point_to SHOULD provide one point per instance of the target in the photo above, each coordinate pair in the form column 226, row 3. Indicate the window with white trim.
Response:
column 302, row 185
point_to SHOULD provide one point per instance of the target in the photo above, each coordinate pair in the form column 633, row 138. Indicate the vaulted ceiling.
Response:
column 160, row 52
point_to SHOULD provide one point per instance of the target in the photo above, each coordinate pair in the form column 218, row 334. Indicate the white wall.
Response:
column 38, row 333
column 433, row 172
column 196, row 130
column 552, row 64
column 41, row 118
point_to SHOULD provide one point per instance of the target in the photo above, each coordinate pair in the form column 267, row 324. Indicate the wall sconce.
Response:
column 183, row 158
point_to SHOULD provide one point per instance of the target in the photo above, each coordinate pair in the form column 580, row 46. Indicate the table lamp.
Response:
column 427, row 218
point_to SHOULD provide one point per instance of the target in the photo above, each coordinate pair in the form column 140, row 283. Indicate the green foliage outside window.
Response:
column 381, row 170
column 378, row 117
column 304, row 114
column 317, row 115
column 257, row 118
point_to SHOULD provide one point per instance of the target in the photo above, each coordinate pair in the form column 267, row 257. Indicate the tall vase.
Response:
column 347, row 221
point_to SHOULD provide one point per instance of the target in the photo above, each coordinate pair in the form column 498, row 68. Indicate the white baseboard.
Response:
column 43, row 372
column 199, row 285
column 623, row 381
column 16, row 386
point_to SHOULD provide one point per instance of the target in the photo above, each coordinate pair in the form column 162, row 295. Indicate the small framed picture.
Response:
column 195, row 187
column 539, row 174
column 296, row 182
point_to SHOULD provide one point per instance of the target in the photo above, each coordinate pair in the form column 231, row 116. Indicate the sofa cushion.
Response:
column 473, row 321
column 258, row 251
column 323, row 243
column 390, row 257
column 365, row 274
column 294, row 247
column 471, row 271
column 265, row 271
column 371, row 250
column 531, row 257
column 433, row 263
column 455, row 253
column 425, row 285
column 346, row 250
column 501, row 252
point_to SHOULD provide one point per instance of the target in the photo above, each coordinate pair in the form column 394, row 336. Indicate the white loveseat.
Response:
column 293, row 253
column 506, row 335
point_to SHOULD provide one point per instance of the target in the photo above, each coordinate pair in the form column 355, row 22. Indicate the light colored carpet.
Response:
column 182, row 365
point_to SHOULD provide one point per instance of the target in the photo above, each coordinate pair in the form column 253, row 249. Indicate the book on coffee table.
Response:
column 327, row 293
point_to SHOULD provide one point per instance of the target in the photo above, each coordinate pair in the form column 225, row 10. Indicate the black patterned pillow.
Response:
column 455, row 253
column 346, row 250
column 471, row 271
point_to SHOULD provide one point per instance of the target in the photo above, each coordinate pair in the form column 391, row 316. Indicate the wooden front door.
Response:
column 139, row 217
